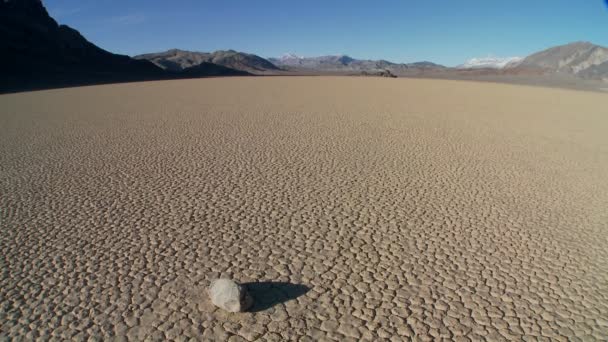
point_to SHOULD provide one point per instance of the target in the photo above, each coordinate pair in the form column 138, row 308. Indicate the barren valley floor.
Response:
column 369, row 208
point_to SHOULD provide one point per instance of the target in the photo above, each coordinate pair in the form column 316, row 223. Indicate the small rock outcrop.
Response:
column 387, row 73
column 229, row 295
column 379, row 73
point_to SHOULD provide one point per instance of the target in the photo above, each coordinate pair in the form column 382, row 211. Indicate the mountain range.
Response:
column 176, row 60
column 37, row 52
column 344, row 63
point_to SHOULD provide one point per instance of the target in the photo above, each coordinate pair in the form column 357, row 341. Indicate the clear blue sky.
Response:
column 442, row 31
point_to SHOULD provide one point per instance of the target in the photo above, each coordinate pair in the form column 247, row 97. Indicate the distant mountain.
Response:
column 286, row 59
column 344, row 63
column 582, row 59
column 425, row 65
column 36, row 50
column 178, row 60
column 316, row 63
column 211, row 69
column 490, row 63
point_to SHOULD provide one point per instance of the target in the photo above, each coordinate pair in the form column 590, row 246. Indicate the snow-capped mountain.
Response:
column 323, row 62
column 289, row 57
column 490, row 62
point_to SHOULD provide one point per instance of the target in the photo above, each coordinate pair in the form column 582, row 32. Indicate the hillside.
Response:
column 177, row 60
column 35, row 50
column 580, row 58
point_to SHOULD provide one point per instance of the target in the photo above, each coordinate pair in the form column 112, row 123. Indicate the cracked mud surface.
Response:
column 396, row 209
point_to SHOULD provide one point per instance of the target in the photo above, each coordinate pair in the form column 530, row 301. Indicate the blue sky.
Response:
column 442, row 31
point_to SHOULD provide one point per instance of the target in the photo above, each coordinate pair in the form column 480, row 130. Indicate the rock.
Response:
column 229, row 295
column 387, row 73
column 379, row 73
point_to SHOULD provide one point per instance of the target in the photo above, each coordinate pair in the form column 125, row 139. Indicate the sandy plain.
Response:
column 356, row 209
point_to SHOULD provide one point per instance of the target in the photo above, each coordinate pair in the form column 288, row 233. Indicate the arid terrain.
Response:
column 354, row 208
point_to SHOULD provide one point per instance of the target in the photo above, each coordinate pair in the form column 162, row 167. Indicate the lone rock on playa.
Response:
column 229, row 295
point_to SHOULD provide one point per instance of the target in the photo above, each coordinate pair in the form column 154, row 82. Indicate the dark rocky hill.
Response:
column 177, row 60
column 37, row 52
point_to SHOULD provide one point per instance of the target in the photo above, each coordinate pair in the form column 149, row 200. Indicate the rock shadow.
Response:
column 267, row 294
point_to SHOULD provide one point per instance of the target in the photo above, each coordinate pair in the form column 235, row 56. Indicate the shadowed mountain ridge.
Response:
column 38, row 53
column 177, row 60
column 36, row 48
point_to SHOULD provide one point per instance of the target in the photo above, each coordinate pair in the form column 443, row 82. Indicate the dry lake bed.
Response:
column 352, row 208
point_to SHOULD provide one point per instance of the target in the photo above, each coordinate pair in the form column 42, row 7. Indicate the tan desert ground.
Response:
column 355, row 209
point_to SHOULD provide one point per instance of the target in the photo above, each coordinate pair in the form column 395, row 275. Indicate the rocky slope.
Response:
column 582, row 59
column 211, row 69
column 597, row 72
column 36, row 49
column 38, row 53
column 179, row 60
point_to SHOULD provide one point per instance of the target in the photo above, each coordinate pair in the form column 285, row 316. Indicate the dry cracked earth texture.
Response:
column 356, row 209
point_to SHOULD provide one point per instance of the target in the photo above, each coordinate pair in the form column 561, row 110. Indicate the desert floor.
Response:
column 355, row 208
